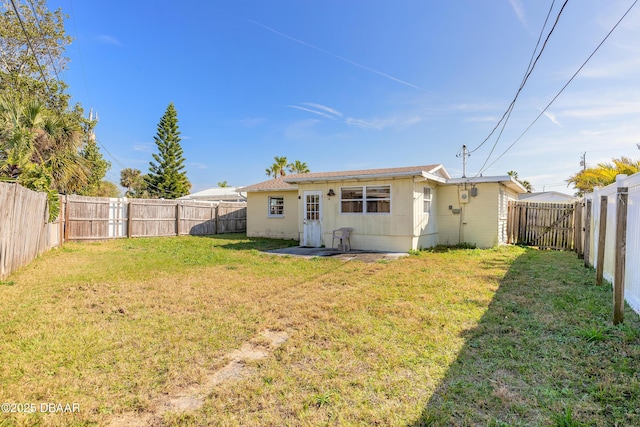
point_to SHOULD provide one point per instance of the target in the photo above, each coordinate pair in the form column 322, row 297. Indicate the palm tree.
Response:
column 278, row 168
column 526, row 184
column 132, row 180
column 35, row 137
column 298, row 167
column 603, row 174
column 40, row 149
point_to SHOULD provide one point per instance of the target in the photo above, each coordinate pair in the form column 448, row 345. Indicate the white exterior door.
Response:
column 312, row 219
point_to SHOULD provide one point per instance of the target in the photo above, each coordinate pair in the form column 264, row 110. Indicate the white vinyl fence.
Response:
column 632, row 264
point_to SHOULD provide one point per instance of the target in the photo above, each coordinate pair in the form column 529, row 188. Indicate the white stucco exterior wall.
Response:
column 260, row 224
column 481, row 221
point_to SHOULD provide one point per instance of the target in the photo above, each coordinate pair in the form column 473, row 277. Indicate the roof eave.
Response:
column 506, row 180
column 357, row 177
column 261, row 190
column 431, row 177
column 444, row 171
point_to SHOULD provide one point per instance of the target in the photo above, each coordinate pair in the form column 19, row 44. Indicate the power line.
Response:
column 524, row 80
column 530, row 67
column 124, row 167
column 26, row 35
column 563, row 87
column 41, row 33
column 86, row 85
column 84, row 73
column 44, row 79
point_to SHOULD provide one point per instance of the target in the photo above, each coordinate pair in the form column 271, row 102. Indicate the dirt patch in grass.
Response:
column 192, row 398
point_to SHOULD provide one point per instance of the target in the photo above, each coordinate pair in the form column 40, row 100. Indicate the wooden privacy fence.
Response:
column 24, row 231
column 545, row 225
column 93, row 218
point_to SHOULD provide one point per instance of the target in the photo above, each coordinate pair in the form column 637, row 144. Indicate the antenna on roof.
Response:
column 464, row 154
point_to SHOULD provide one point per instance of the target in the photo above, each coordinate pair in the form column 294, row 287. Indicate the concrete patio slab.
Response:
column 359, row 255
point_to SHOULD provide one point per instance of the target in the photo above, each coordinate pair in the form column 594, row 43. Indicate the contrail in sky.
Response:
column 342, row 58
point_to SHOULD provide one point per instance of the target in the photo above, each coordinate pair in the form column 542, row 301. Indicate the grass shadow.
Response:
column 240, row 242
column 545, row 353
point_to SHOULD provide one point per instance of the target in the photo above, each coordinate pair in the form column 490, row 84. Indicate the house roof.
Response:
column 222, row 193
column 276, row 184
column 506, row 180
column 435, row 172
column 547, row 196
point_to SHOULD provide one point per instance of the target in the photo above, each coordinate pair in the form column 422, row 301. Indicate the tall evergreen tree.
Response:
column 167, row 177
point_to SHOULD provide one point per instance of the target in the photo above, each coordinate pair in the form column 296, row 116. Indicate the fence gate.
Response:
column 545, row 225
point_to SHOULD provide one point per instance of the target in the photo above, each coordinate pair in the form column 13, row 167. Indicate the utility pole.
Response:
column 583, row 161
column 464, row 155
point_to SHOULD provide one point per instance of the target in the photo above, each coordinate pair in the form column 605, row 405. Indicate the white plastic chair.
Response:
column 343, row 235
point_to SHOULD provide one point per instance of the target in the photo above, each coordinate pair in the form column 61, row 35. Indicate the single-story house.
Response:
column 392, row 209
column 222, row 194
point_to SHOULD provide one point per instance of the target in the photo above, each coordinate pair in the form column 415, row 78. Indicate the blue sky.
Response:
column 357, row 84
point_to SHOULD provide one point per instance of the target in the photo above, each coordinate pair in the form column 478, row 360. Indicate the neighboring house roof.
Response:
column 217, row 194
column 435, row 172
column 276, row 184
column 547, row 196
column 506, row 180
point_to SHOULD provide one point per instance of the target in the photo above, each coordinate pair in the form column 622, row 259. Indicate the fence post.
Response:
column 177, row 218
column 602, row 238
column 63, row 214
column 621, row 251
column 578, row 230
column 130, row 218
column 218, row 231
column 587, row 236
column 213, row 219
column 66, row 219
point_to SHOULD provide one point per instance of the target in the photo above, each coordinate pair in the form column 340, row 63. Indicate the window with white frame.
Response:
column 276, row 206
column 374, row 199
column 426, row 200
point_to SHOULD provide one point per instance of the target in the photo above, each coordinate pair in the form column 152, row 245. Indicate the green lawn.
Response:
column 507, row 336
